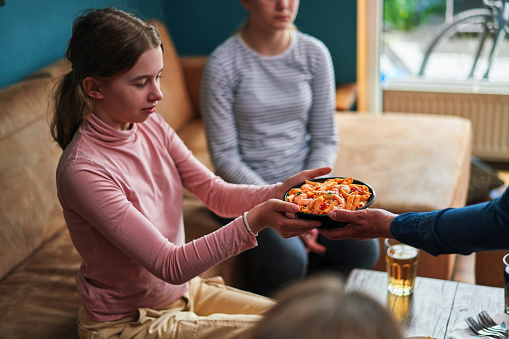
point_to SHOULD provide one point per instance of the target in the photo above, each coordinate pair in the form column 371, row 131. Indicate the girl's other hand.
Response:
column 309, row 239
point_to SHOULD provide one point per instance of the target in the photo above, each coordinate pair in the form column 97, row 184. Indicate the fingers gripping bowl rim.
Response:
column 327, row 222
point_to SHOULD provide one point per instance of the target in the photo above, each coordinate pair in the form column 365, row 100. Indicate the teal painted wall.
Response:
column 34, row 33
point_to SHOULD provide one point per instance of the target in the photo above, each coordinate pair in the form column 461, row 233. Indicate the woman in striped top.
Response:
column 268, row 106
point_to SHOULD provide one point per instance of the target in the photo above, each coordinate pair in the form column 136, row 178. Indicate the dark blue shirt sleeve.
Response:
column 475, row 228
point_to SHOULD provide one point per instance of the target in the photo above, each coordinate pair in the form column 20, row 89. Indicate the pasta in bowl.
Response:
column 317, row 197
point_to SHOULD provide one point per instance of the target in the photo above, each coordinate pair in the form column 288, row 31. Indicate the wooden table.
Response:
column 435, row 307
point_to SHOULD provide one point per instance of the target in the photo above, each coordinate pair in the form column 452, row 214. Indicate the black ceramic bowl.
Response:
column 324, row 218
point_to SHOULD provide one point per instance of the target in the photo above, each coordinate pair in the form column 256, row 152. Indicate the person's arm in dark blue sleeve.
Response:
column 480, row 227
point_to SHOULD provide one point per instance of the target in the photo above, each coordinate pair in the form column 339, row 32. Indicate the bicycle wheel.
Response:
column 458, row 49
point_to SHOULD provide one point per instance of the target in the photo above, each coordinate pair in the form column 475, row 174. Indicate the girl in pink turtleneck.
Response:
column 120, row 182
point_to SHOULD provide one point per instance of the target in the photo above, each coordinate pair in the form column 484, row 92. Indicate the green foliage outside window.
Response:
column 407, row 14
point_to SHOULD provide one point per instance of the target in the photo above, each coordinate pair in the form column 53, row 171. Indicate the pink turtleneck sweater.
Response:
column 121, row 194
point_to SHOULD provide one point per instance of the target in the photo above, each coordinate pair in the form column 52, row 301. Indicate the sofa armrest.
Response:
column 346, row 96
column 193, row 67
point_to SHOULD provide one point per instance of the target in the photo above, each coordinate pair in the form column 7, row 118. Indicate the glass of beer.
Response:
column 401, row 262
column 506, row 283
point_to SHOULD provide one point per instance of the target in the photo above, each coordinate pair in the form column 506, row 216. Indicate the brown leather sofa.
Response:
column 38, row 262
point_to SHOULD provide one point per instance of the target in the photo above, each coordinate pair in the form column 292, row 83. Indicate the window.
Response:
column 439, row 39
column 390, row 56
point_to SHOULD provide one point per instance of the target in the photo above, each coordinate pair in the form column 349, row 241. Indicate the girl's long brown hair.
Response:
column 104, row 43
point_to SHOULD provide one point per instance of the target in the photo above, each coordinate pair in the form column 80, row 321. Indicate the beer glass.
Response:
column 401, row 262
column 506, row 283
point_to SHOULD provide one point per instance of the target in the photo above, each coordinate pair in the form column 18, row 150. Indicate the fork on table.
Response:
column 487, row 321
column 477, row 328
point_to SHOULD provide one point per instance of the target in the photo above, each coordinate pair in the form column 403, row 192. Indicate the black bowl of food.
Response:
column 317, row 197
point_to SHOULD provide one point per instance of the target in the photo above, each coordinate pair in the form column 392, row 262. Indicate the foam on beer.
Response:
column 402, row 252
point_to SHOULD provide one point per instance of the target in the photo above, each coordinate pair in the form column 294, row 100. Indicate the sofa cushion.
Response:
column 193, row 67
column 39, row 299
column 193, row 135
column 29, row 209
column 176, row 107
column 53, row 71
column 22, row 104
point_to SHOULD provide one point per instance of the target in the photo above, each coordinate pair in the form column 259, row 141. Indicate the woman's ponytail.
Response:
column 69, row 103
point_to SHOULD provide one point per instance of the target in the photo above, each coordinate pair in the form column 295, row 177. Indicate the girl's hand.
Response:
column 300, row 177
column 273, row 213
column 309, row 239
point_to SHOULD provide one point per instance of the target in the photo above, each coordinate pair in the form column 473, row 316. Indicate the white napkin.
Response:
column 461, row 330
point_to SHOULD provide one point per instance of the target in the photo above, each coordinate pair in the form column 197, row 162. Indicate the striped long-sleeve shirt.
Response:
column 269, row 117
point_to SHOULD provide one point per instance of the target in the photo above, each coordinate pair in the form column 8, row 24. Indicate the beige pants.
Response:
column 209, row 310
